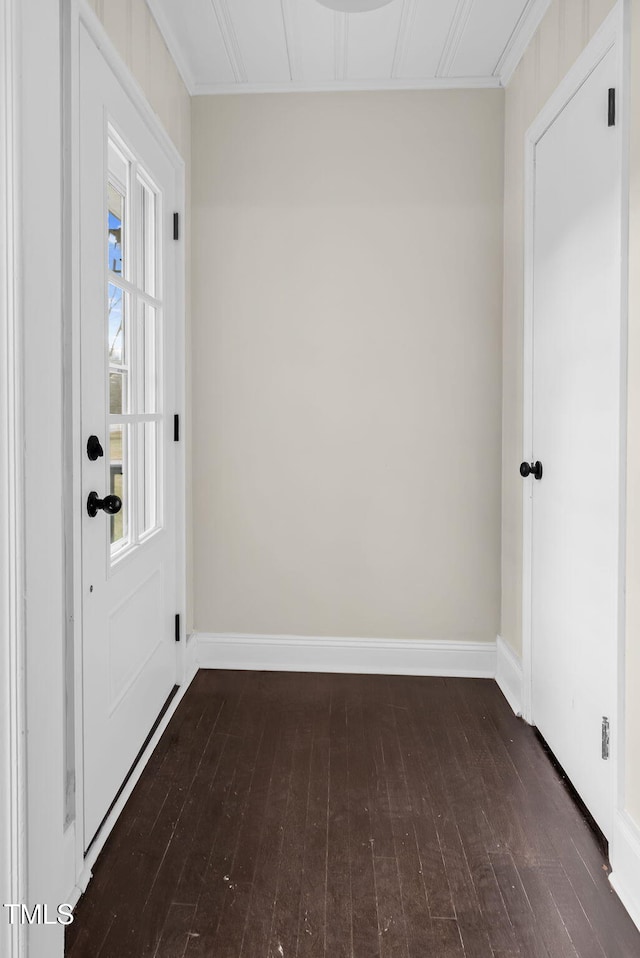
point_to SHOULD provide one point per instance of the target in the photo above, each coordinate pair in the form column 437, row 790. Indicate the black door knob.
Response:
column 527, row 469
column 94, row 449
column 110, row 504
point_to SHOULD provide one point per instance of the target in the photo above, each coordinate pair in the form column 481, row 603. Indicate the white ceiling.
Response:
column 248, row 46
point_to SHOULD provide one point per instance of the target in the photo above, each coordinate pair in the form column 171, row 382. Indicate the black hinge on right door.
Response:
column 612, row 106
column 606, row 738
column 176, row 226
column 177, row 627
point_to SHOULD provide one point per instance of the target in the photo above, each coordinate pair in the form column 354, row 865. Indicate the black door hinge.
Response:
column 177, row 627
column 176, row 226
column 176, row 428
column 612, row 106
column 606, row 738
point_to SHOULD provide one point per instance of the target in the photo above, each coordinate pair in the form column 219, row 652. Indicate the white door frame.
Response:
column 78, row 865
column 13, row 806
column 613, row 33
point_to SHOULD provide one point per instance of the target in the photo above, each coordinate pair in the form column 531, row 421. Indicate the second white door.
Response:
column 576, row 437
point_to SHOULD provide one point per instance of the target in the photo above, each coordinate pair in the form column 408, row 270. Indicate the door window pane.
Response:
column 148, row 445
column 116, row 306
column 115, row 228
column 118, row 398
column 117, row 212
column 118, row 460
column 149, row 359
column 148, row 201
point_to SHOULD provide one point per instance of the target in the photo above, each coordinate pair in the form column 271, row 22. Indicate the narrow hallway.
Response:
column 287, row 814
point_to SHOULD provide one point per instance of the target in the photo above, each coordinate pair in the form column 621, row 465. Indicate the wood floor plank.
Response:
column 313, row 898
column 338, row 901
column 310, row 816
column 364, row 916
column 253, row 938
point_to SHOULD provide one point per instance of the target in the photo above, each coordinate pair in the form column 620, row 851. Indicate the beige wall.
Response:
column 633, row 474
column 347, row 286
column 563, row 34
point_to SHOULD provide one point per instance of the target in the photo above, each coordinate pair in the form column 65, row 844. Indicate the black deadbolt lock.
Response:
column 94, row 449
column 110, row 504
column 528, row 469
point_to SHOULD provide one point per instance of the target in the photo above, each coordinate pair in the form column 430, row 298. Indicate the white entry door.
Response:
column 128, row 330
column 576, row 436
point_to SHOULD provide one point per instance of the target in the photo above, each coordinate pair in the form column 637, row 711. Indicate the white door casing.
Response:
column 128, row 334
column 572, row 424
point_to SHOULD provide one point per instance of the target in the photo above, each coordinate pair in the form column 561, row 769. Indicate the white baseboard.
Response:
column 85, row 875
column 509, row 674
column 292, row 653
column 190, row 661
column 625, row 863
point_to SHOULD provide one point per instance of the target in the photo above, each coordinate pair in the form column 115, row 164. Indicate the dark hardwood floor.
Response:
column 299, row 815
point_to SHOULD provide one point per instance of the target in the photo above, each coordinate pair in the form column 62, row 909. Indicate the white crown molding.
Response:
column 350, row 86
column 294, row 653
column 625, row 863
column 509, row 674
column 524, row 32
column 174, row 47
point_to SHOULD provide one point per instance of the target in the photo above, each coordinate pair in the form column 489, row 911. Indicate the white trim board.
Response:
column 625, row 863
column 292, row 653
column 509, row 674
column 13, row 796
column 349, row 86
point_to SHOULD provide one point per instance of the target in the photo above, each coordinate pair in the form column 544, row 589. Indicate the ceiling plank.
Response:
column 487, row 31
column 458, row 24
column 427, row 38
column 257, row 35
column 230, row 39
column 373, row 39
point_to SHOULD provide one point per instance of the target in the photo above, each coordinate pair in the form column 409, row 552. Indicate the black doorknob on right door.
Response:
column 531, row 468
